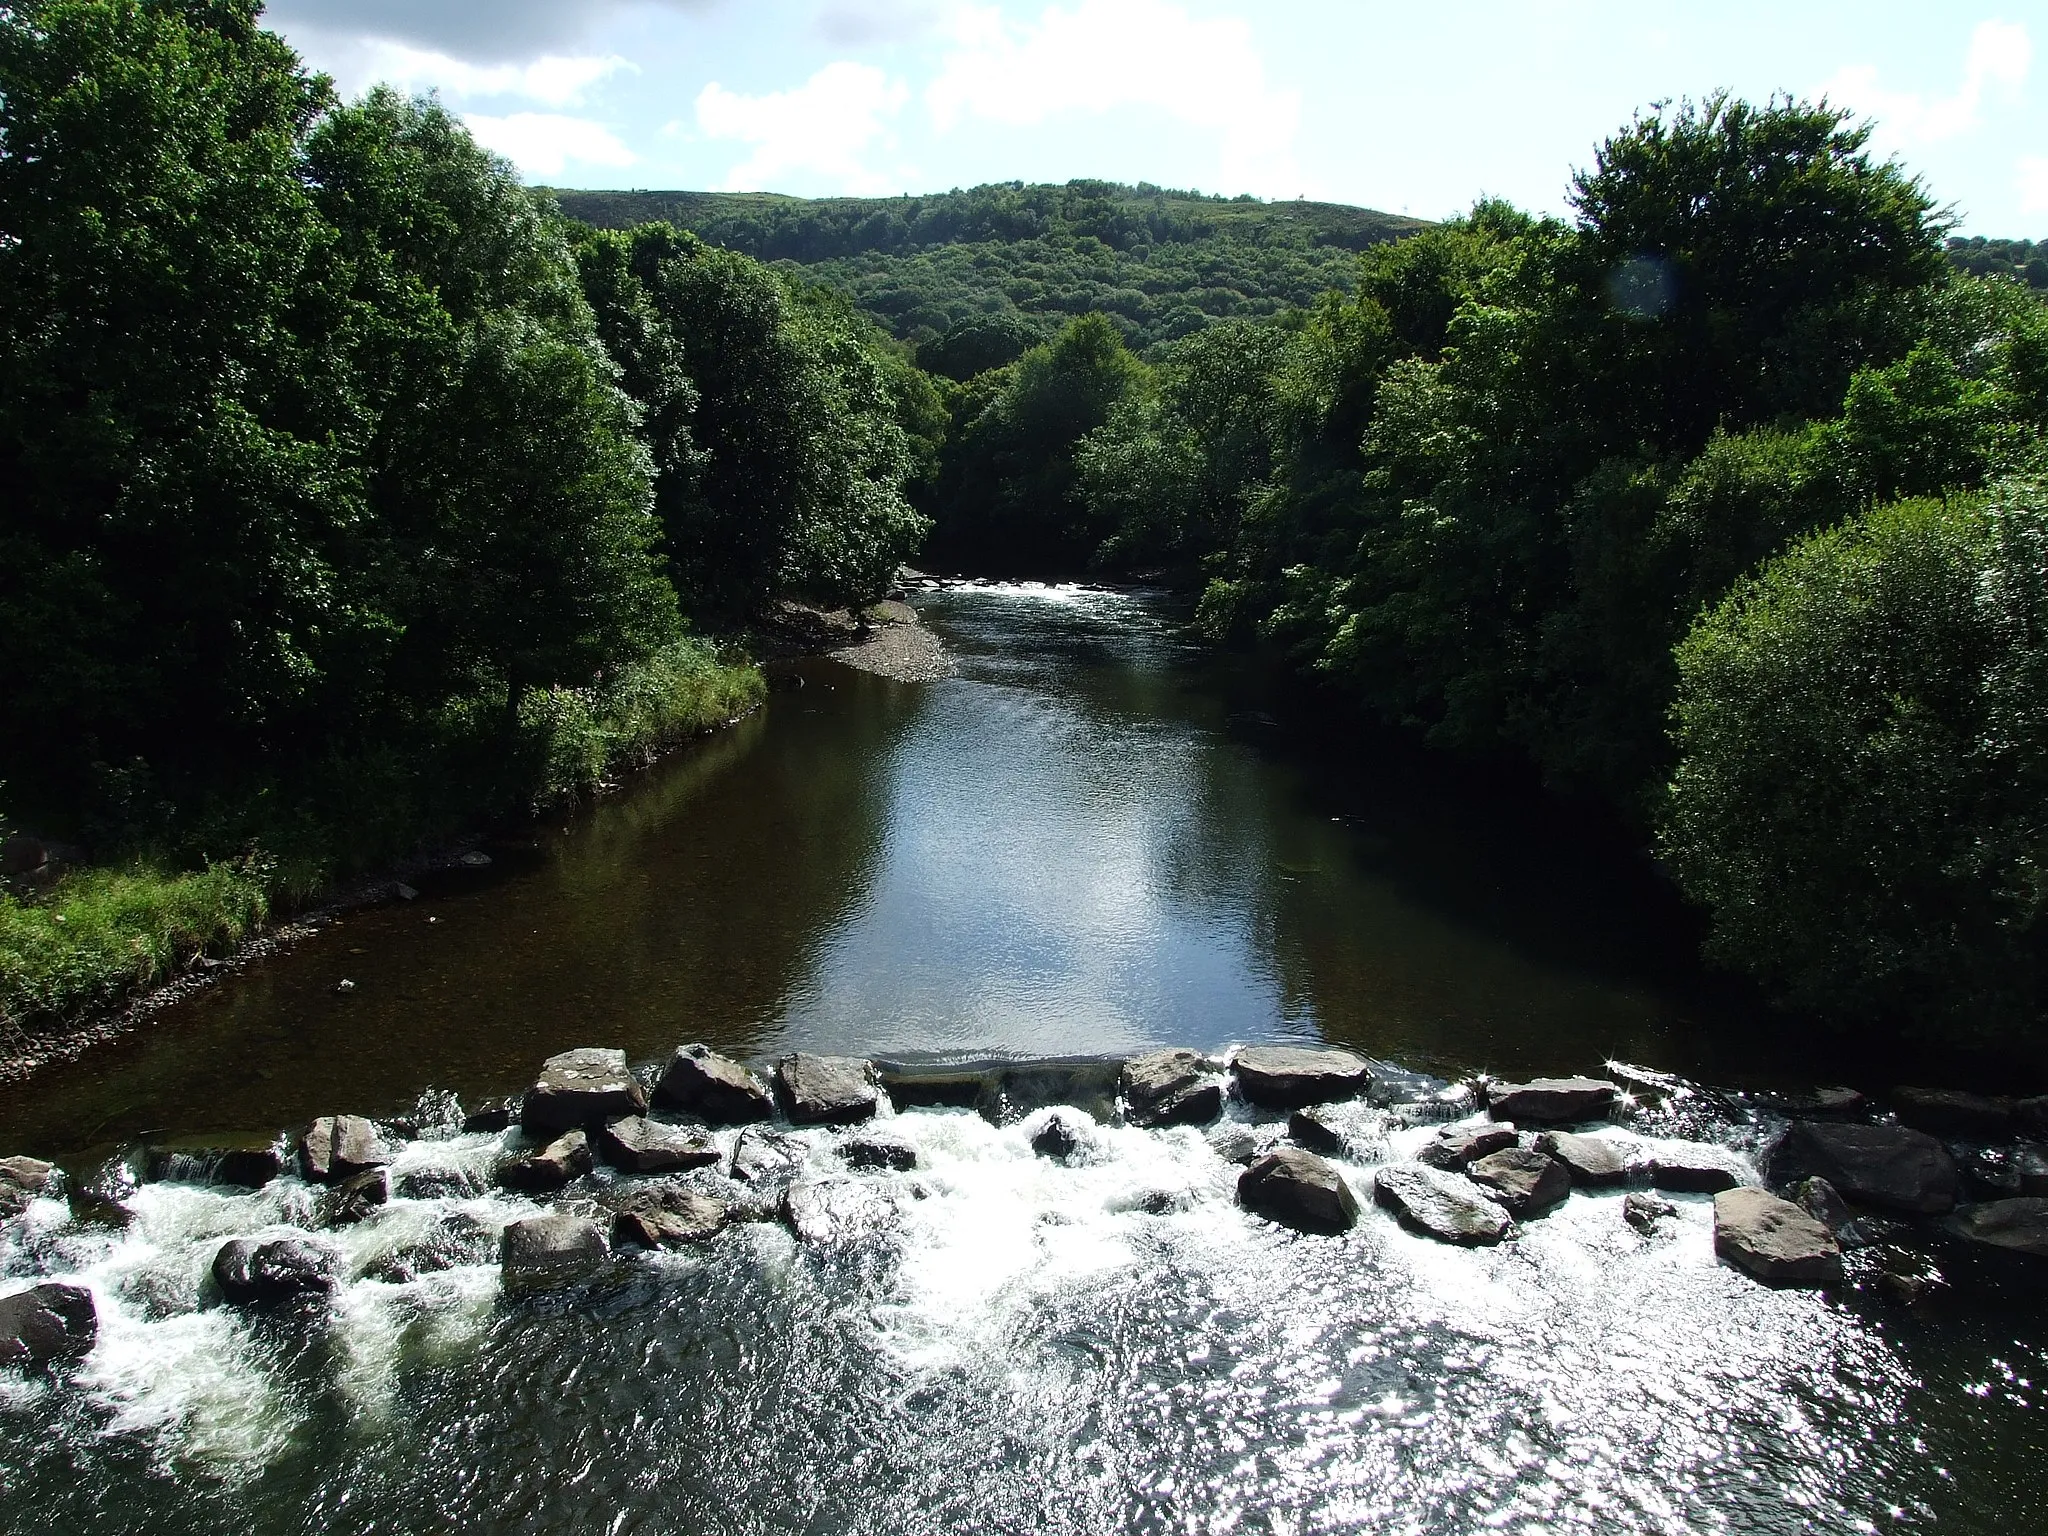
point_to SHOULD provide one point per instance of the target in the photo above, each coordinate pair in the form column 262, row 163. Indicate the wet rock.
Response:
column 1643, row 1211
column 667, row 1216
column 355, row 1198
column 1821, row 1102
column 271, row 1274
column 1169, row 1088
column 1945, row 1112
column 1988, row 1173
column 47, row 1323
column 767, row 1159
column 1890, row 1167
column 582, row 1088
column 23, row 1179
column 639, row 1145
column 1522, row 1181
column 339, row 1147
column 2030, row 1165
column 2031, row 1115
column 544, row 1171
column 1242, row 1143
column 1298, row 1189
column 2016, row 1228
column 1060, row 1137
column 1905, row 1278
column 437, row 1184
column 716, row 1089
column 1693, row 1171
column 248, row 1167
column 875, row 1150
column 833, row 1212
column 1294, row 1077
column 543, row 1252
column 91, row 1208
column 1317, row 1131
column 457, row 1239
column 826, row 1090
column 1457, row 1147
column 1552, row 1100
column 1824, row 1203
column 1773, row 1239
column 742, row 1202
column 1446, row 1206
column 1590, row 1161
column 489, row 1119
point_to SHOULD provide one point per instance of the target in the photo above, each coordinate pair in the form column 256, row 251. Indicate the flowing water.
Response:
column 1085, row 843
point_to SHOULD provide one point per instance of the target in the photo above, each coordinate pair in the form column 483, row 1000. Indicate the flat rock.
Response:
column 1949, row 1113
column 1169, row 1088
column 2018, row 1228
column 878, row 1151
column 47, row 1323
column 1591, row 1161
column 1524, row 1182
column 767, row 1159
column 1446, row 1206
column 826, row 1090
column 667, row 1216
column 337, row 1147
column 547, row 1169
column 1294, row 1077
column 1457, row 1147
column 1298, row 1189
column 1552, row 1100
column 355, row 1198
column 1692, row 1171
column 639, row 1145
column 542, row 1252
column 716, row 1089
column 1773, row 1239
column 1824, row 1102
column 582, row 1088
column 1643, row 1211
column 274, row 1273
column 834, row 1212
column 1886, row 1166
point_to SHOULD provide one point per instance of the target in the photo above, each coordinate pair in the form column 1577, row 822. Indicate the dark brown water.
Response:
column 1084, row 843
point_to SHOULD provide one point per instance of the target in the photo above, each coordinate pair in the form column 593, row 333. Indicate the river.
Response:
column 1088, row 841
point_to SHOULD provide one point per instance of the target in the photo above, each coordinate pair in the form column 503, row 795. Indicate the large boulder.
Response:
column 1946, row 1112
column 716, row 1089
column 337, row 1147
column 826, row 1090
column 1591, row 1161
column 666, row 1216
column 272, row 1274
column 1293, row 1077
column 1457, row 1147
column 767, row 1159
column 542, row 1252
column 547, row 1169
column 1523, row 1182
column 1446, row 1206
column 47, row 1323
column 1169, row 1088
column 1693, row 1170
column 1886, row 1166
column 582, row 1088
column 639, row 1145
column 1552, row 1100
column 2013, row 1229
column 1298, row 1189
column 1773, row 1239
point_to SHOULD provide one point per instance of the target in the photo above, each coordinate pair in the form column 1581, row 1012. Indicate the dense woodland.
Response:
column 357, row 493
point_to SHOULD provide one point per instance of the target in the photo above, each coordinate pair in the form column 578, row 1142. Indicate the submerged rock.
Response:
column 47, row 1323
column 667, row 1216
column 832, row 1212
column 2030, row 1167
column 1887, row 1166
column 337, row 1147
column 767, row 1159
column 1773, row 1239
column 2016, row 1228
column 826, row 1090
column 1552, row 1100
column 542, row 1252
column 1523, row 1182
column 1692, row 1171
column 878, row 1150
column 458, row 1238
column 1242, row 1143
column 1169, row 1088
column 544, row 1171
column 1824, row 1102
column 1457, row 1147
column 1946, row 1112
column 355, row 1198
column 1294, row 1077
column 1446, row 1206
column 639, row 1145
column 270, row 1274
column 1298, row 1189
column 1590, row 1161
column 1643, row 1211
column 580, row 1089
column 716, row 1089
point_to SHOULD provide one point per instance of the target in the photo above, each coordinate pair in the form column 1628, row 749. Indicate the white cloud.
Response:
column 466, row 29
column 2033, row 177
column 861, row 23
column 2000, row 54
column 823, row 128
column 1107, row 54
column 543, row 144
column 554, row 80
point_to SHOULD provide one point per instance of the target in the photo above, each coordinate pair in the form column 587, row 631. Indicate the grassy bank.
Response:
column 100, row 935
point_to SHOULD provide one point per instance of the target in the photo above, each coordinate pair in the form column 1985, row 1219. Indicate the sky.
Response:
column 1411, row 108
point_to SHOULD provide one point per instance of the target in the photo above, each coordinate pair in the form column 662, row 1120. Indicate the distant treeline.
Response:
column 2026, row 260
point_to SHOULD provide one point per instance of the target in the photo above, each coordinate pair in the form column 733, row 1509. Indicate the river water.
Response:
column 1087, row 842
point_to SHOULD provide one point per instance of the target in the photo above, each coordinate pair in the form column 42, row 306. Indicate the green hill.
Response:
column 1161, row 263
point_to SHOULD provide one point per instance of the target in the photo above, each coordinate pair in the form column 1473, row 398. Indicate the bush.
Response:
column 1862, row 793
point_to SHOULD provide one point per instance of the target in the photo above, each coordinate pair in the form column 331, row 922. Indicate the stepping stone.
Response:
column 1886, row 1166
column 1773, row 1240
column 1592, row 1161
column 1552, row 1100
column 639, row 1145
column 581, row 1089
column 1169, row 1088
column 826, row 1090
column 543, row 1252
column 1293, row 1077
column 1446, row 1206
column 1298, row 1189
column 547, row 1170
column 337, row 1147
column 1692, row 1171
column 1525, row 1183
column 1964, row 1116
column 714, row 1088
column 1457, row 1147
column 667, row 1216
column 47, row 1323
